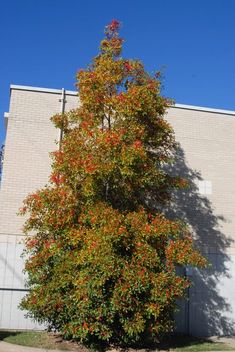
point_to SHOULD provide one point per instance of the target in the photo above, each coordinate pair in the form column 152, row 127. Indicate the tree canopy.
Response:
column 101, row 257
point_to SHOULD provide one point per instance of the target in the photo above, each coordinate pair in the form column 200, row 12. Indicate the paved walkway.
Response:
column 229, row 341
column 9, row 347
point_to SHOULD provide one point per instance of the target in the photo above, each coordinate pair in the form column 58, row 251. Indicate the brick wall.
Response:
column 206, row 152
column 30, row 138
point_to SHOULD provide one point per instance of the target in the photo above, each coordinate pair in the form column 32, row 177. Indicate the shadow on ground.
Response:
column 4, row 334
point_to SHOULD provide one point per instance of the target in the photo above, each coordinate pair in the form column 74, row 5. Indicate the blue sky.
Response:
column 44, row 42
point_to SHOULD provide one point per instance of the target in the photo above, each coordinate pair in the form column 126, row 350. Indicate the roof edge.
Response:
column 70, row 92
column 40, row 89
column 202, row 108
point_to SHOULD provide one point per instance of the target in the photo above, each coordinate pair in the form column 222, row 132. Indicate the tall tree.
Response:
column 102, row 259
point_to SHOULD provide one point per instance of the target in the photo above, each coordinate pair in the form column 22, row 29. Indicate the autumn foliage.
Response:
column 101, row 258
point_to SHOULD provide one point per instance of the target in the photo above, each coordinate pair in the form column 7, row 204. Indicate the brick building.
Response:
column 206, row 157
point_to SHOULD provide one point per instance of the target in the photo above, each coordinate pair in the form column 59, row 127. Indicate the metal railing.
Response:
column 1, row 160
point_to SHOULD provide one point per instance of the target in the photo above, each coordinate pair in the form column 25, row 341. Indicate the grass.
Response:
column 49, row 341
column 39, row 339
